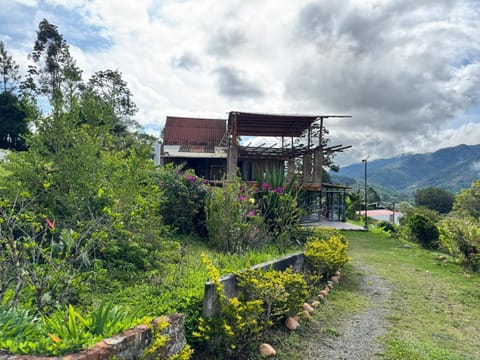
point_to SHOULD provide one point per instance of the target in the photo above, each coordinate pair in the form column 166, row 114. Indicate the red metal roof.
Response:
column 193, row 131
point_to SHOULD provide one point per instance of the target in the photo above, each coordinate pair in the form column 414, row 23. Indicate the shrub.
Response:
column 233, row 223
column 282, row 292
column 184, row 199
column 235, row 328
column 461, row 236
column 423, row 230
column 326, row 256
column 387, row 226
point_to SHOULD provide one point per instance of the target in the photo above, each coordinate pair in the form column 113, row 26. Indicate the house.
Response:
column 211, row 147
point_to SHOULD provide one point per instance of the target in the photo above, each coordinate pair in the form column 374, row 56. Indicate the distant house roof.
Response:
column 256, row 124
column 194, row 134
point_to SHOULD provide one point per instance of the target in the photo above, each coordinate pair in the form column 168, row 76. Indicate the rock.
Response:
column 337, row 273
column 267, row 350
column 321, row 297
column 442, row 257
column 335, row 279
column 307, row 307
column 323, row 293
column 327, row 289
column 315, row 304
column 330, row 286
column 291, row 324
column 296, row 318
column 305, row 315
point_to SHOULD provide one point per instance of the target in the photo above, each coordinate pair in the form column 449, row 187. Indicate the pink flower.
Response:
column 191, row 178
column 265, row 185
column 280, row 190
column 251, row 213
column 51, row 224
column 241, row 198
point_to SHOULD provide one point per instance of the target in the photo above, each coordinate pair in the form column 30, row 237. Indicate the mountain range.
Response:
column 451, row 169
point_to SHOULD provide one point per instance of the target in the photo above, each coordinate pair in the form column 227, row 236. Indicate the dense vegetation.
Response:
column 94, row 238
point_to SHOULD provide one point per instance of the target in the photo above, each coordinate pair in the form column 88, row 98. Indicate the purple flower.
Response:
column 280, row 190
column 251, row 213
column 241, row 198
column 265, row 186
column 191, row 178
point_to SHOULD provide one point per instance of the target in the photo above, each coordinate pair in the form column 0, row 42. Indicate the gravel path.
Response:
column 358, row 333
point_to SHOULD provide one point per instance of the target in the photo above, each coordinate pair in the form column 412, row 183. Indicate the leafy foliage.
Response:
column 468, row 201
column 278, row 203
column 9, row 70
column 184, row 200
column 423, row 230
column 326, row 254
column 61, row 332
column 13, row 122
column 461, row 236
column 233, row 220
column 435, row 199
column 235, row 327
column 282, row 292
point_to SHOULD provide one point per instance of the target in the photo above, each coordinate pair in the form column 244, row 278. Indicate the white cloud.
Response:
column 404, row 69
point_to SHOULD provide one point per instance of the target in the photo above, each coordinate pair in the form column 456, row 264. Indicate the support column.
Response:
column 318, row 166
column 290, row 169
column 307, row 169
column 232, row 162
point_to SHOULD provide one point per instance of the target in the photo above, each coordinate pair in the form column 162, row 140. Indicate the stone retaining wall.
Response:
column 229, row 282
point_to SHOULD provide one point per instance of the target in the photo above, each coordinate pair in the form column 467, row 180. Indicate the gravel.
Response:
column 357, row 335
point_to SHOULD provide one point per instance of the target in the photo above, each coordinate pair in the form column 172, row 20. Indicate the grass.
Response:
column 435, row 307
column 434, row 312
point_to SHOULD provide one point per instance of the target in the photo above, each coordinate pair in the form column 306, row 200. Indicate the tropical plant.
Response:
column 279, row 206
column 233, row 221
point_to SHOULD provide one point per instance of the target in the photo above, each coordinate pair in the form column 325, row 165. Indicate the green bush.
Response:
column 235, row 329
column 387, row 226
column 282, row 292
column 461, row 236
column 184, row 199
column 233, row 221
column 326, row 256
column 423, row 230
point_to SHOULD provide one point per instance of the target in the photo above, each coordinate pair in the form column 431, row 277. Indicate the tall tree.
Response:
column 9, row 70
column 54, row 71
column 468, row 201
column 110, row 91
column 13, row 122
column 435, row 199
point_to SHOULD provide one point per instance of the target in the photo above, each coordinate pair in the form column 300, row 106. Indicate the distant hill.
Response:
column 450, row 169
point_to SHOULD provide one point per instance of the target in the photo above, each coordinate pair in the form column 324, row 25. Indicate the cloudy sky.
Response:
column 407, row 71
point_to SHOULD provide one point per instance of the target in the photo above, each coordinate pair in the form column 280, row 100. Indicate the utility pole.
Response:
column 366, row 196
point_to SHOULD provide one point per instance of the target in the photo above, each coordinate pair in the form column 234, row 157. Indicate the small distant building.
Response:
column 211, row 148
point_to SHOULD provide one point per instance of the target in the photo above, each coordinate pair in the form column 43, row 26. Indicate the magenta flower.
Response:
column 191, row 178
column 265, row 186
column 241, row 198
column 280, row 190
column 251, row 213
